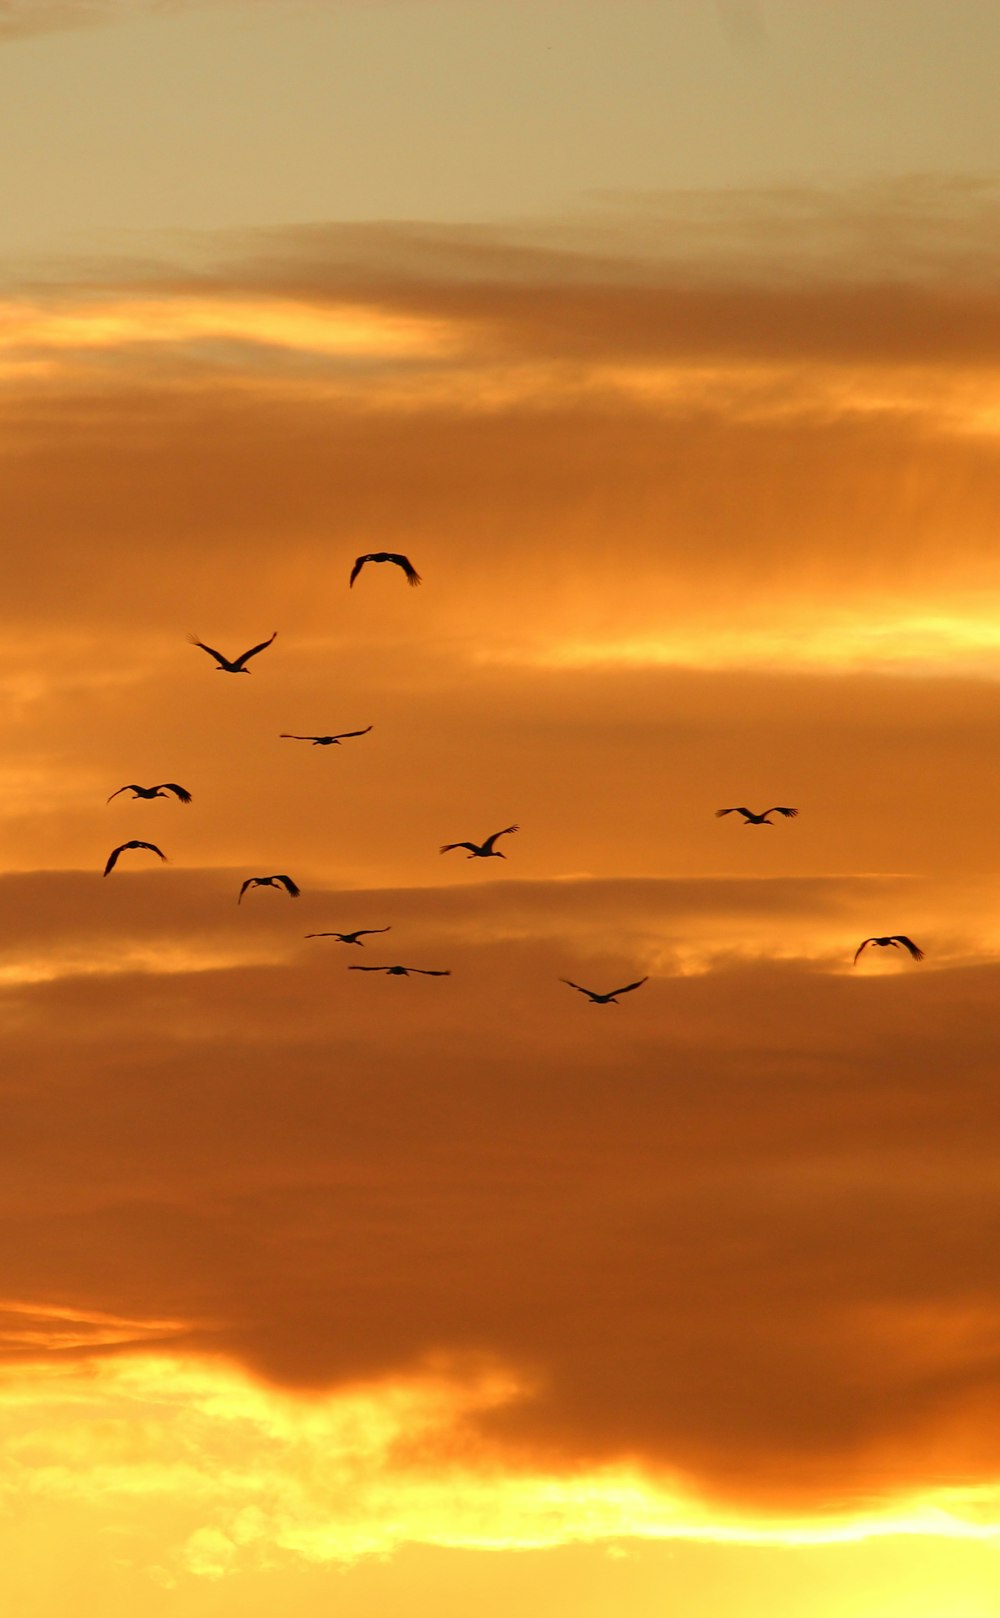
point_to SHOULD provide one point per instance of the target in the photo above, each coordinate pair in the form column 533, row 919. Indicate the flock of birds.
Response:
column 476, row 851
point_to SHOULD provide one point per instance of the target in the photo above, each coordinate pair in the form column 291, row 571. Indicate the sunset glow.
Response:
column 621, row 1241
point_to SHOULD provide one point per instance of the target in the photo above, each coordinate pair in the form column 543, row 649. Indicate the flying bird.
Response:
column 482, row 851
column 325, row 741
column 133, row 843
column 154, row 792
column 895, row 941
column 269, row 882
column 403, row 971
column 236, row 666
column 605, row 999
column 750, row 819
column 412, row 576
column 351, row 938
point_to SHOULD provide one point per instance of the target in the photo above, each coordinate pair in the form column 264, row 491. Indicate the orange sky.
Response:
column 454, row 1294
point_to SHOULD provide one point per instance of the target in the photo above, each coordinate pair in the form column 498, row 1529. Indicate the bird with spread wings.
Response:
column 270, row 882
column 325, row 741
column 895, row 941
column 750, row 819
column 351, row 938
column 482, row 851
column 155, row 792
column 404, row 971
column 412, row 576
column 234, row 666
column 133, row 842
column 605, row 999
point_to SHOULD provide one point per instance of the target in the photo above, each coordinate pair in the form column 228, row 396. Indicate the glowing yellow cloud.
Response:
column 360, row 1472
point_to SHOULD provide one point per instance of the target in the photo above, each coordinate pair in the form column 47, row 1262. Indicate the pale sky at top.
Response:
column 459, row 110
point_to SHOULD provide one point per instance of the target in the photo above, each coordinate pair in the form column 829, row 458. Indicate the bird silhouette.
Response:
column 132, row 843
column 269, row 882
column 351, row 938
column 750, row 819
column 412, row 576
column 325, row 741
column 482, row 851
column 154, row 792
column 236, row 666
column 895, row 941
column 605, row 999
column 403, row 971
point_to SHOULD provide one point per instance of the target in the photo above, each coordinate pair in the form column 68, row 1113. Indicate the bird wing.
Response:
column 491, row 840
column 152, row 848
column 322, row 935
column 209, row 649
column 637, row 985
column 412, row 576
column 368, row 969
column 245, row 656
column 179, row 792
column 446, row 847
column 289, row 736
column 429, row 971
column 578, row 986
column 341, row 735
column 860, row 947
column 738, row 809
column 355, row 570
column 293, row 889
column 113, row 859
column 247, row 884
column 778, row 809
column 364, row 931
column 129, row 786
column 907, row 943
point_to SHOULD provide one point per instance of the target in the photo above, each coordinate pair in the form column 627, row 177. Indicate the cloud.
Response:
column 669, row 1222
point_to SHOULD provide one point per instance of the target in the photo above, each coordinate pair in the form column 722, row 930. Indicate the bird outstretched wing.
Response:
column 447, row 847
column 355, row 570
column 245, row 656
column 778, row 809
column 130, row 786
column 342, row 735
column 412, row 576
column 492, row 839
column 112, row 860
column 628, row 986
column 368, row 969
column 292, row 887
column 738, row 809
column 907, row 943
column 247, row 884
column 860, row 947
column 429, row 972
column 179, row 792
column 222, row 661
column 578, row 986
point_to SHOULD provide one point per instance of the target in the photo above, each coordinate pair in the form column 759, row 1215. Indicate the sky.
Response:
column 663, row 338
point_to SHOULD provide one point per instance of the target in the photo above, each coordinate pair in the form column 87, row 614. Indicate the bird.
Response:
column 325, row 741
column 412, row 576
column 269, row 882
column 605, row 999
column 236, row 666
column 750, row 819
column 403, row 971
column 154, row 792
column 351, row 938
column 133, row 843
column 482, row 851
column 895, row 940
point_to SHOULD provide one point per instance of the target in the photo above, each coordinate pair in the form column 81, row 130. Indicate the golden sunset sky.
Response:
column 664, row 337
